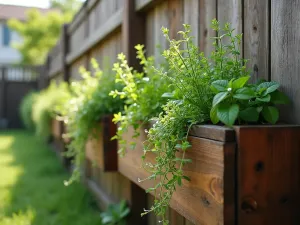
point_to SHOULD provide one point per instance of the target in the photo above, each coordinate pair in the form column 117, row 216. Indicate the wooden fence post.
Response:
column 133, row 31
column 65, row 49
column 3, row 93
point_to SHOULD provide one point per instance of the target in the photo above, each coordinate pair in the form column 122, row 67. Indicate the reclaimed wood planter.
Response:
column 248, row 175
column 100, row 149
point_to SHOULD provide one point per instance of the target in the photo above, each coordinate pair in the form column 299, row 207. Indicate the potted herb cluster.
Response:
column 206, row 172
column 88, row 118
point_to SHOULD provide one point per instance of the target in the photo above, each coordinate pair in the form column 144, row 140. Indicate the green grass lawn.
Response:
column 31, row 186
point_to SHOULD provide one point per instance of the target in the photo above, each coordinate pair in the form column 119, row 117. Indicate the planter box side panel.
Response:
column 100, row 149
column 202, row 200
column 268, row 175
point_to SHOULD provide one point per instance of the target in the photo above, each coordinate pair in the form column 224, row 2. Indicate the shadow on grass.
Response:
column 32, row 190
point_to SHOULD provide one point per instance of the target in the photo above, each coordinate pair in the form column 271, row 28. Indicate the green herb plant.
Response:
column 90, row 101
column 236, row 100
column 115, row 214
column 192, row 76
column 43, row 107
column 142, row 92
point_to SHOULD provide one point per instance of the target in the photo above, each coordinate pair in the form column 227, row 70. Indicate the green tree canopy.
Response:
column 39, row 34
column 66, row 6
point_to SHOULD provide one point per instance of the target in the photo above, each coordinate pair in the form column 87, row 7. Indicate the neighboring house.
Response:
column 9, row 55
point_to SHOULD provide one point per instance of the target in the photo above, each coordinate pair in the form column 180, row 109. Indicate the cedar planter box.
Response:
column 100, row 149
column 248, row 175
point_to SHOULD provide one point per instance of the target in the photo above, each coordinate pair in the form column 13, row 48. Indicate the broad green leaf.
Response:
column 219, row 98
column 270, row 114
column 244, row 93
column 268, row 87
column 228, row 113
column 240, row 82
column 213, row 115
column 249, row 115
column 220, row 85
column 278, row 97
column 266, row 98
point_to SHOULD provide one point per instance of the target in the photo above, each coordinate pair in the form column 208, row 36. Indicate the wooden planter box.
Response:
column 248, row 175
column 100, row 149
column 56, row 129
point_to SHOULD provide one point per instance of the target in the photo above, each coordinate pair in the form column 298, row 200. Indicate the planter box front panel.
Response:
column 209, row 197
column 100, row 149
column 268, row 175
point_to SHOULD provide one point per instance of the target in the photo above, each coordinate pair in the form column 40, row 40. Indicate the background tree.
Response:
column 66, row 6
column 40, row 32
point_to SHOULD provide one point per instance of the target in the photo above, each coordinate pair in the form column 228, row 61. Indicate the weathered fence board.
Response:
column 256, row 38
column 285, row 48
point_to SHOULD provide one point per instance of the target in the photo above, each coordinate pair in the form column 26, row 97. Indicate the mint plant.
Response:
column 236, row 101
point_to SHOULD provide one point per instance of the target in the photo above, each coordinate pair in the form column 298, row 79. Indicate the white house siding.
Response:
column 9, row 55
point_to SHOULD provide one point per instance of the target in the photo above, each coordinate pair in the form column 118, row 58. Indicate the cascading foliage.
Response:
column 90, row 101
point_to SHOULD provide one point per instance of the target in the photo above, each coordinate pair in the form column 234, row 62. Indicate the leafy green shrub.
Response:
column 26, row 110
column 250, row 103
column 142, row 92
column 90, row 101
column 44, row 107
column 115, row 214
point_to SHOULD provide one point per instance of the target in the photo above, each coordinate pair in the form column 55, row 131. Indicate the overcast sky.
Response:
column 36, row 3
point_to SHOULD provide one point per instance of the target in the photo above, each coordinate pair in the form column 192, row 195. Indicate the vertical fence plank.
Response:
column 285, row 48
column 231, row 11
column 150, row 45
column 175, row 8
column 131, row 23
column 256, row 37
column 208, row 12
column 191, row 17
column 3, row 92
column 161, row 19
column 65, row 49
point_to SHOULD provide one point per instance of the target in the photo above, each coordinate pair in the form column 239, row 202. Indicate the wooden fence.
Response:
column 15, row 82
column 103, row 28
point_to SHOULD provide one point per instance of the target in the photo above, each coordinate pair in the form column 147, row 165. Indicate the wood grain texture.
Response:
column 268, row 175
column 285, row 48
column 100, row 149
column 132, row 22
column 256, row 38
column 191, row 16
column 110, row 26
column 209, row 197
column 213, row 132
column 175, row 12
column 231, row 11
column 207, row 11
column 155, row 20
